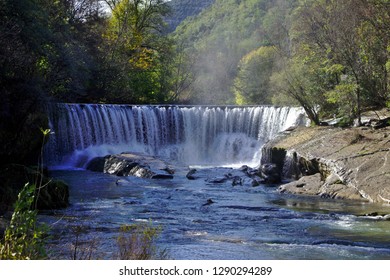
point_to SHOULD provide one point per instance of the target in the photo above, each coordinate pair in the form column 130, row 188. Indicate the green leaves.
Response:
column 350, row 40
column 137, row 50
column 45, row 132
column 23, row 238
column 251, row 85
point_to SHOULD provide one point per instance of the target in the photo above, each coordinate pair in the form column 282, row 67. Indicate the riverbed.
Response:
column 216, row 221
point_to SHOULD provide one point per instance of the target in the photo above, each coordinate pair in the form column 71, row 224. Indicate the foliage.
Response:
column 219, row 37
column 77, row 51
column 251, row 85
column 182, row 9
column 137, row 242
column 137, row 50
column 23, row 239
column 349, row 40
column 326, row 53
column 82, row 249
column 343, row 96
column 297, row 81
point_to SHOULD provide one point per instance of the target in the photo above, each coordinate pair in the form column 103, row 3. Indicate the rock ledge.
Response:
column 333, row 162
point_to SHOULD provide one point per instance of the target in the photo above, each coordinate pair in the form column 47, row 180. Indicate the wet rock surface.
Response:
column 132, row 164
column 270, row 173
column 349, row 163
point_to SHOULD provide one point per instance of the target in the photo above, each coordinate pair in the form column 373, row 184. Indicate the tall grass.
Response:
column 24, row 238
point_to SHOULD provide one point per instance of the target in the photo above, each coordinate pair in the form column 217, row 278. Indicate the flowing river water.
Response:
column 243, row 222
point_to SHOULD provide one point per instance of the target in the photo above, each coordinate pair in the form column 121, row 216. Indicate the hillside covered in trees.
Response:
column 331, row 57
column 182, row 9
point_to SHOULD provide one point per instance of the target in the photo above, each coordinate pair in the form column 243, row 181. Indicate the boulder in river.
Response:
column 133, row 164
column 270, row 173
column 191, row 174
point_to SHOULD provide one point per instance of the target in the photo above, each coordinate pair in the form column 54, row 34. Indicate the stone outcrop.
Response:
column 270, row 172
column 333, row 162
column 314, row 185
column 132, row 164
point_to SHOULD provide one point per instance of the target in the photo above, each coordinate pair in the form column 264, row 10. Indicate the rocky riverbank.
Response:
column 351, row 163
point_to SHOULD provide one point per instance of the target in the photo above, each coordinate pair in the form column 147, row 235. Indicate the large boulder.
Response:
column 271, row 173
column 96, row 164
column 132, row 164
column 359, row 157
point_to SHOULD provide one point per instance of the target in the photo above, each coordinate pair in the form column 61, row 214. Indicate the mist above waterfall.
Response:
column 186, row 135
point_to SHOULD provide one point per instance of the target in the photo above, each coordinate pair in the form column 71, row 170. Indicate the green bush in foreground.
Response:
column 23, row 238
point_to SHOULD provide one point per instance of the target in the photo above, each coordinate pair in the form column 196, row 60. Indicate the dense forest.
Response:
column 182, row 9
column 331, row 57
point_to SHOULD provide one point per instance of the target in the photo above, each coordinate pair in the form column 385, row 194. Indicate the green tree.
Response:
column 219, row 37
column 252, row 83
column 299, row 80
column 137, row 50
column 342, row 33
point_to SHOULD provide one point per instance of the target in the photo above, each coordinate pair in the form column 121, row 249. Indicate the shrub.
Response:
column 137, row 242
column 23, row 238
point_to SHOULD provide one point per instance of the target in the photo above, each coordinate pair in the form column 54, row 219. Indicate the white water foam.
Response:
column 188, row 135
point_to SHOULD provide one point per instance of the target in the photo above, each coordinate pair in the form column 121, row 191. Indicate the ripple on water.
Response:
column 243, row 223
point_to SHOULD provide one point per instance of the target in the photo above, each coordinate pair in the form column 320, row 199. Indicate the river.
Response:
column 244, row 222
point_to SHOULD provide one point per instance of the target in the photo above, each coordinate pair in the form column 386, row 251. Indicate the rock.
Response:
column 236, row 180
column 252, row 172
column 190, row 174
column 244, row 168
column 255, row 183
column 138, row 165
column 332, row 179
column 96, row 164
column 209, row 202
column 218, row 180
column 377, row 216
column 339, row 191
column 307, row 185
column 357, row 159
column 377, row 124
column 291, row 128
column 270, row 173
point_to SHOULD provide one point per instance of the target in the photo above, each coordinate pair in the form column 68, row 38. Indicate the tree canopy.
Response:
column 331, row 57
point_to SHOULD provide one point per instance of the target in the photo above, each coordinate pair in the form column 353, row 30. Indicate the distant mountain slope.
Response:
column 181, row 9
column 221, row 35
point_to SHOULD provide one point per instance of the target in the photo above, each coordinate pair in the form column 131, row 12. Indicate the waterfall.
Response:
column 189, row 135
